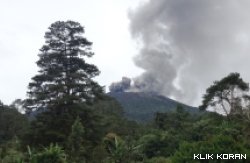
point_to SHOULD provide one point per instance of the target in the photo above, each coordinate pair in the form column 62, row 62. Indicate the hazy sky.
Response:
column 24, row 23
column 174, row 47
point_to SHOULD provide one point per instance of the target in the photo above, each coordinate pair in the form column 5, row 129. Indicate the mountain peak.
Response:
column 141, row 106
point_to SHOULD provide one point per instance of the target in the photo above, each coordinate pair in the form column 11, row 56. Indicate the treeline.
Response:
column 80, row 124
column 171, row 138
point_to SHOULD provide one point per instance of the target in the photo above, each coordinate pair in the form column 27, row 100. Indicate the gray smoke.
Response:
column 187, row 44
column 120, row 86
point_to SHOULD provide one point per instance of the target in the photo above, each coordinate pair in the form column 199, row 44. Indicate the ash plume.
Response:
column 186, row 45
column 120, row 86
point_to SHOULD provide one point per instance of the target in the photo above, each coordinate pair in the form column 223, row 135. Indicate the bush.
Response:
column 53, row 154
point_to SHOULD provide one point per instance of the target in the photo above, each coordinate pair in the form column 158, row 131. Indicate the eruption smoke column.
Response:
column 187, row 44
column 120, row 86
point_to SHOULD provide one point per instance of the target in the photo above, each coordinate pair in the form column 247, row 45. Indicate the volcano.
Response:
column 141, row 106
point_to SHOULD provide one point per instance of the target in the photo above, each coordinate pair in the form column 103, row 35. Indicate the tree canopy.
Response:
column 64, row 86
column 64, row 77
column 228, row 94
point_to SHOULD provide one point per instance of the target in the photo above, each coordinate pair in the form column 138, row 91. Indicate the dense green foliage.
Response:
column 12, row 123
column 172, row 137
column 80, row 124
column 216, row 146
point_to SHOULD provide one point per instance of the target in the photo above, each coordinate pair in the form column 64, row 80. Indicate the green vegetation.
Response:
column 81, row 124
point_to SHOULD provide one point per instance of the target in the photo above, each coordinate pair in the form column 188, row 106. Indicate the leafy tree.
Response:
column 53, row 154
column 9, row 155
column 114, row 145
column 76, row 144
column 119, row 150
column 159, row 144
column 217, row 145
column 204, row 129
column 229, row 95
column 12, row 123
column 175, row 119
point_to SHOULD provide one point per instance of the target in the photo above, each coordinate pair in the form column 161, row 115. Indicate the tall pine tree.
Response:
column 64, row 78
column 64, row 86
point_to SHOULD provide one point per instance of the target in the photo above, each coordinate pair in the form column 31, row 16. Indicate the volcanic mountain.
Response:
column 141, row 106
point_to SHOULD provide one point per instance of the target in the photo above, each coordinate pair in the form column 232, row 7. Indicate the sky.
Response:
column 22, row 30
column 174, row 48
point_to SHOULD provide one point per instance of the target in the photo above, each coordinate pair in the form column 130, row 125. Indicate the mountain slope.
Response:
column 142, row 106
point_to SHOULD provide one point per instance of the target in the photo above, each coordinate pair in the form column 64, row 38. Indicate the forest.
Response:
column 76, row 122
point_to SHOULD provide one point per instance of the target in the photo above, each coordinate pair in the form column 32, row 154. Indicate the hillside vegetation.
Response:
column 141, row 106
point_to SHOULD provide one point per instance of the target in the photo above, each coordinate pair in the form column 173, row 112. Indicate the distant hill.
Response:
column 142, row 106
